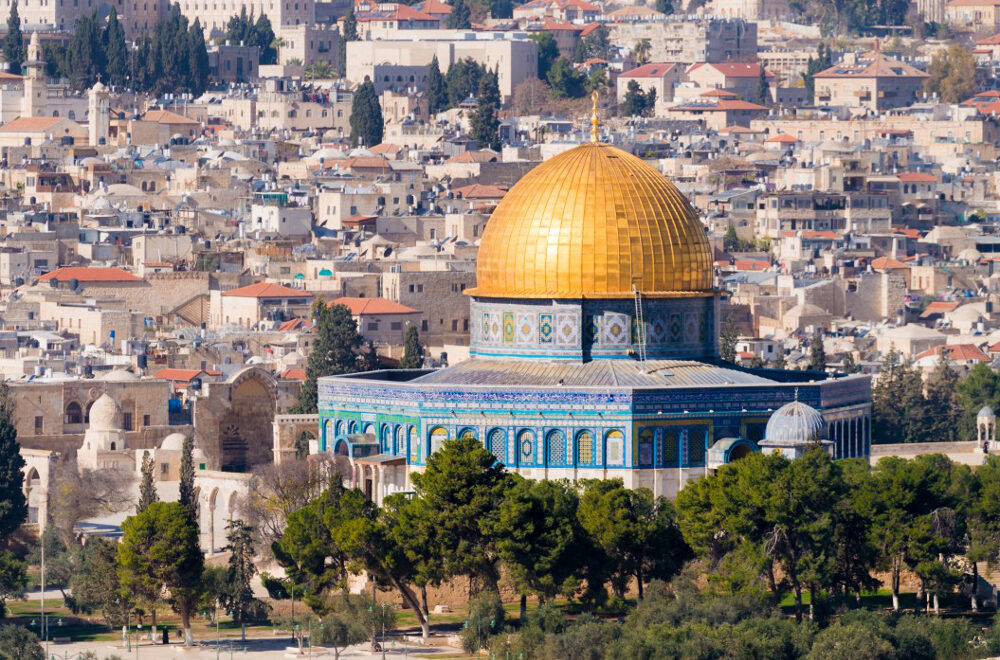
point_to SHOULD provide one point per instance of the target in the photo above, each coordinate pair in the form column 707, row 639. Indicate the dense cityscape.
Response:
column 484, row 329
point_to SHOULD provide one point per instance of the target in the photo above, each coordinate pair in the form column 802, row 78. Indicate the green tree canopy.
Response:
column 413, row 352
column 952, row 74
column 367, row 125
column 13, row 41
column 334, row 351
column 159, row 553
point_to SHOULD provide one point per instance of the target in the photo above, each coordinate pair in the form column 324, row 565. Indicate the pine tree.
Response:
column 817, row 354
column 484, row 122
column 187, row 495
column 240, row 602
column 115, row 51
column 13, row 503
column 944, row 411
column 147, row 487
column 198, row 58
column 413, row 352
column 850, row 365
column 501, row 8
column 334, row 352
column 367, row 124
column 460, row 16
column 13, row 42
column 437, row 93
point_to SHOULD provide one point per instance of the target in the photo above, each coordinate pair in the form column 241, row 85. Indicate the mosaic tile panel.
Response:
column 546, row 329
column 567, row 330
column 525, row 328
column 616, row 329
column 508, row 328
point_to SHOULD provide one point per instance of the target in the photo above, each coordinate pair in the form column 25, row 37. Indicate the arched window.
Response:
column 497, row 440
column 74, row 413
column 397, row 441
column 646, row 447
column 555, row 443
column 352, row 427
column 386, row 439
column 438, row 436
column 414, row 445
column 338, row 428
column 86, row 412
column 525, row 447
column 615, row 447
column 585, row 448
column 370, row 428
column 468, row 433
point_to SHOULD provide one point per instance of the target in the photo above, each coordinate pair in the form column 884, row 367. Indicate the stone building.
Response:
column 54, row 415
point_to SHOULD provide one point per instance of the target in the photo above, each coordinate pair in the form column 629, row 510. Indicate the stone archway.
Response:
column 234, row 422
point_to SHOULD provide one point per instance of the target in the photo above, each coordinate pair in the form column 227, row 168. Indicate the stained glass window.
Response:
column 557, row 448
column 615, row 447
column 414, row 445
column 498, row 444
column 438, row 436
column 584, row 448
column 526, row 445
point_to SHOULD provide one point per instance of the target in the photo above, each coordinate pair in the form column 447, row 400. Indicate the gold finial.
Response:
column 593, row 117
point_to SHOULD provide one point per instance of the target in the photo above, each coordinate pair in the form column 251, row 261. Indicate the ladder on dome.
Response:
column 640, row 324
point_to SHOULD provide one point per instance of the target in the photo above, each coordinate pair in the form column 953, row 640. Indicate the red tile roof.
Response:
column 480, row 191
column 267, row 290
column 887, row 263
column 916, row 177
column 651, row 70
column 183, row 375
column 294, row 374
column 362, row 306
column 784, row 138
column 167, row 117
column 82, row 274
column 938, row 307
column 31, row 124
column 958, row 352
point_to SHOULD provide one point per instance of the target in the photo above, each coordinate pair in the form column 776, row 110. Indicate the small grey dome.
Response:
column 985, row 413
column 795, row 423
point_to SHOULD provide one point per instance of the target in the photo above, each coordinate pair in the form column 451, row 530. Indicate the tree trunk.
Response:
column 895, row 584
column 524, row 609
column 423, row 600
column 153, row 615
column 812, row 602
column 411, row 600
column 638, row 580
column 937, row 607
column 975, row 587
column 772, row 584
column 798, row 599
column 188, row 633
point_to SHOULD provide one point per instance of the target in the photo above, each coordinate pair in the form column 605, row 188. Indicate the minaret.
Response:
column 98, row 114
column 36, row 91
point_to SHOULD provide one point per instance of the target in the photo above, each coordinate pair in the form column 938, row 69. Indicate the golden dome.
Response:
column 591, row 223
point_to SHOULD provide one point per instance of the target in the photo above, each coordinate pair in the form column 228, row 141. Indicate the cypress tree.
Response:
column 485, row 124
column 13, row 503
column 334, row 352
column 366, row 117
column 763, row 91
column 198, row 58
column 240, row 602
column 460, row 16
column 13, row 42
column 437, row 93
column 817, row 354
column 147, row 487
column 187, row 495
column 115, row 51
column 413, row 352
